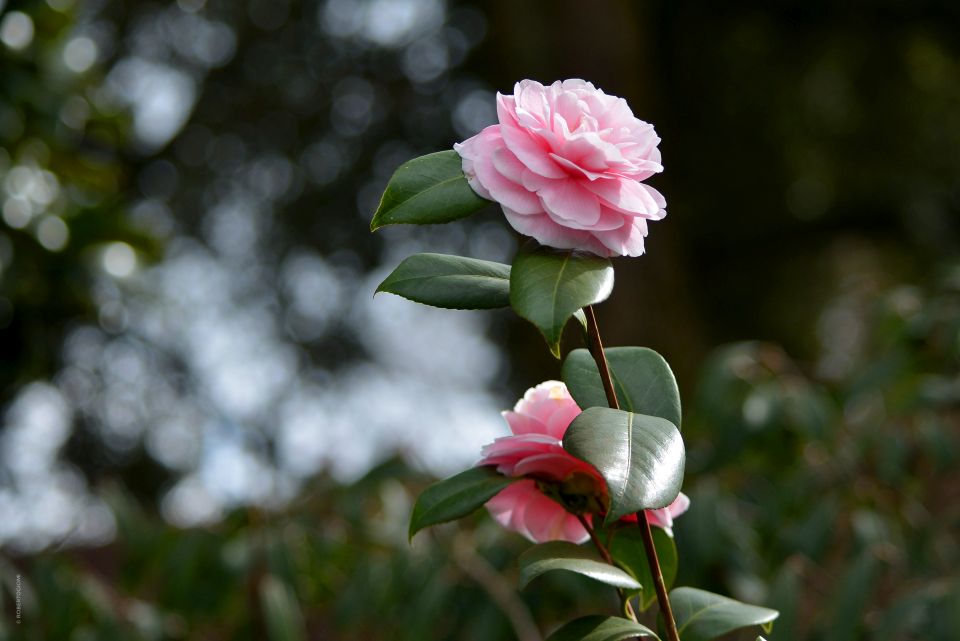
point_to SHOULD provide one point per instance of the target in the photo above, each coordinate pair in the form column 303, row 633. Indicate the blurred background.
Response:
column 210, row 429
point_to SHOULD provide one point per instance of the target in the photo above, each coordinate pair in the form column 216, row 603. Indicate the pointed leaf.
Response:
column 640, row 457
column 561, row 555
column 456, row 497
column 702, row 615
column 601, row 628
column 547, row 286
column 641, row 377
column 282, row 614
column 628, row 551
column 451, row 282
column 427, row 190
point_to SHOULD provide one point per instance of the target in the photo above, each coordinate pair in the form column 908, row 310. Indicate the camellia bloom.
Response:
column 566, row 163
column 556, row 484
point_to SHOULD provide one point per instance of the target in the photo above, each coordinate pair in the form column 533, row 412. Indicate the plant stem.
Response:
column 625, row 600
column 596, row 349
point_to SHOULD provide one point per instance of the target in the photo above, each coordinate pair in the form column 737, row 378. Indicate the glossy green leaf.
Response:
column 601, row 628
column 456, row 497
column 561, row 555
column 628, row 551
column 702, row 615
column 640, row 457
column 548, row 286
column 427, row 190
column 451, row 282
column 641, row 377
column 283, row 618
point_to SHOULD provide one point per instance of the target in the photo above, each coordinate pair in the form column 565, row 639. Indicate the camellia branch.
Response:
column 595, row 345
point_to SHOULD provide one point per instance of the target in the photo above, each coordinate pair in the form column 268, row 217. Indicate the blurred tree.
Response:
column 63, row 174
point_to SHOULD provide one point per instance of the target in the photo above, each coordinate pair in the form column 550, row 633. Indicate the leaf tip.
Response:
column 412, row 530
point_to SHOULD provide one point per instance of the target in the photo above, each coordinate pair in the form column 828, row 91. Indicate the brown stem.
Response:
column 658, row 583
column 627, row 606
column 596, row 349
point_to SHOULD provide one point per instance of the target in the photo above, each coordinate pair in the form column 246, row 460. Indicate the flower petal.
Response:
column 525, row 509
column 628, row 196
column 547, row 232
column 571, row 204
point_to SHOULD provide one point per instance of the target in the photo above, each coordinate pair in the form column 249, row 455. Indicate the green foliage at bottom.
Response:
column 601, row 628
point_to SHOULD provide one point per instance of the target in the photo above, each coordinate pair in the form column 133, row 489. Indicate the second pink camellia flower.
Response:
column 566, row 163
column 556, row 484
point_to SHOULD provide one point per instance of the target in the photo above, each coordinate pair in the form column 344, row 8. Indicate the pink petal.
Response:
column 548, row 232
column 485, row 148
column 575, row 168
column 531, row 106
column 570, row 204
column 524, row 423
column 506, row 452
column 663, row 517
column 554, row 466
column 560, row 419
column 523, row 508
column 627, row 196
column 532, row 151
column 626, row 241
column 589, row 150
column 469, row 153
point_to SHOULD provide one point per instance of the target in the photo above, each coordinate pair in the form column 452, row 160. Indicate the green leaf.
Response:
column 547, row 286
column 427, row 190
column 456, row 497
column 627, row 550
column 642, row 379
column 601, row 628
column 702, row 615
column 851, row 596
column 561, row 555
column 640, row 457
column 284, row 620
column 451, row 282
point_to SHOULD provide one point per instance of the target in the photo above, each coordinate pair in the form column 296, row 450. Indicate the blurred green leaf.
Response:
column 282, row 612
column 640, row 457
column 601, row 628
column 627, row 550
column 451, row 282
column 456, row 497
column 427, row 190
column 641, row 377
column 561, row 555
column 702, row 615
column 851, row 596
column 548, row 286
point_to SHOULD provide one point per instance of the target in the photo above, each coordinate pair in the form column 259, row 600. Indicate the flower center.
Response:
column 579, row 493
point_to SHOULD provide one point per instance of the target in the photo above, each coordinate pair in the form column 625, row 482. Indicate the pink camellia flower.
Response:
column 555, row 482
column 566, row 163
